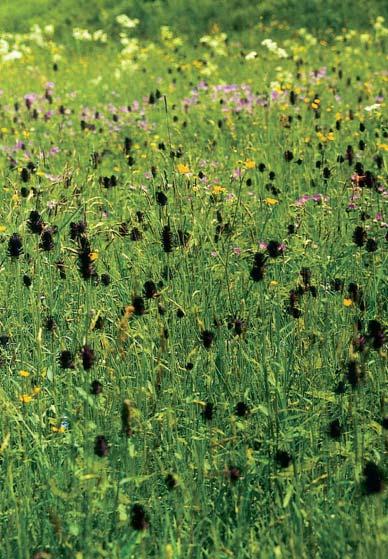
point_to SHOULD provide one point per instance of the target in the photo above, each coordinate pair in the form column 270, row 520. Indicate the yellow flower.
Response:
column 347, row 302
column 24, row 373
column 93, row 255
column 273, row 283
column 2, row 228
column 271, row 201
column 183, row 169
column 36, row 390
column 58, row 429
column 383, row 146
column 25, row 398
column 250, row 164
column 218, row 189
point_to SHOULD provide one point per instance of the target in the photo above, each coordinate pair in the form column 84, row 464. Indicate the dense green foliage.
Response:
column 191, row 17
column 193, row 285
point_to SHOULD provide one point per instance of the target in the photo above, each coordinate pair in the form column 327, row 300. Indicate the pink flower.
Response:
column 237, row 251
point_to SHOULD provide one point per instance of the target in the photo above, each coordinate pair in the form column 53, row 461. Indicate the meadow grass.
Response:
column 193, row 281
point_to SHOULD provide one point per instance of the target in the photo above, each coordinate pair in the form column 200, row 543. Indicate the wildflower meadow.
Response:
column 193, row 280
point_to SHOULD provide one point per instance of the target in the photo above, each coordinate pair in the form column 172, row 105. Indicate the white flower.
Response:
column 125, row 21
column 100, row 35
column 13, row 55
column 4, row 46
column 251, row 55
column 81, row 34
column 273, row 47
column 374, row 107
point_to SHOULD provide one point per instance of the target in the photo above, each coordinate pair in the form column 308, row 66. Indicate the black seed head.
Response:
column 105, row 279
column 50, row 324
column 371, row 245
column 170, row 481
column 96, row 388
column 241, row 410
column 274, row 249
column 208, row 411
column 101, row 447
column 283, row 459
column 373, row 478
column 15, row 246
column 139, row 519
column 149, row 289
column 35, row 223
column 88, row 357
column 335, row 429
column 359, row 236
column 27, row 281
column 306, row 276
column 233, row 473
column 46, row 241
column 66, row 360
column 353, row 373
column 77, row 230
column 138, row 304
column 207, row 338
column 161, row 198
column 167, row 239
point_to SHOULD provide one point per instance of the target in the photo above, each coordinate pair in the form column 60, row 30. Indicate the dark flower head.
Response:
column 283, row 459
column 359, row 236
column 101, row 447
column 207, row 338
column 46, row 240
column 4, row 340
column 105, row 279
column 50, row 324
column 288, row 156
column 15, row 246
column 167, row 241
column 149, row 289
column 337, row 284
column 88, row 357
column 294, row 311
column 274, row 249
column 66, row 360
column 376, row 334
column 139, row 518
column 306, row 275
column 335, row 429
column 233, row 473
column 25, row 175
column 340, row 388
column 35, row 223
column 170, row 481
column 27, row 280
column 241, row 410
column 161, row 198
column 371, row 245
column 96, row 387
column 126, row 418
column 136, row 234
column 353, row 373
column 373, row 478
column 138, row 305
column 61, row 268
column 189, row 366
column 77, row 230
column 208, row 411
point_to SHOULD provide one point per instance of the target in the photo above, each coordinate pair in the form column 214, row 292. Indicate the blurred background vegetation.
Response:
column 190, row 17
